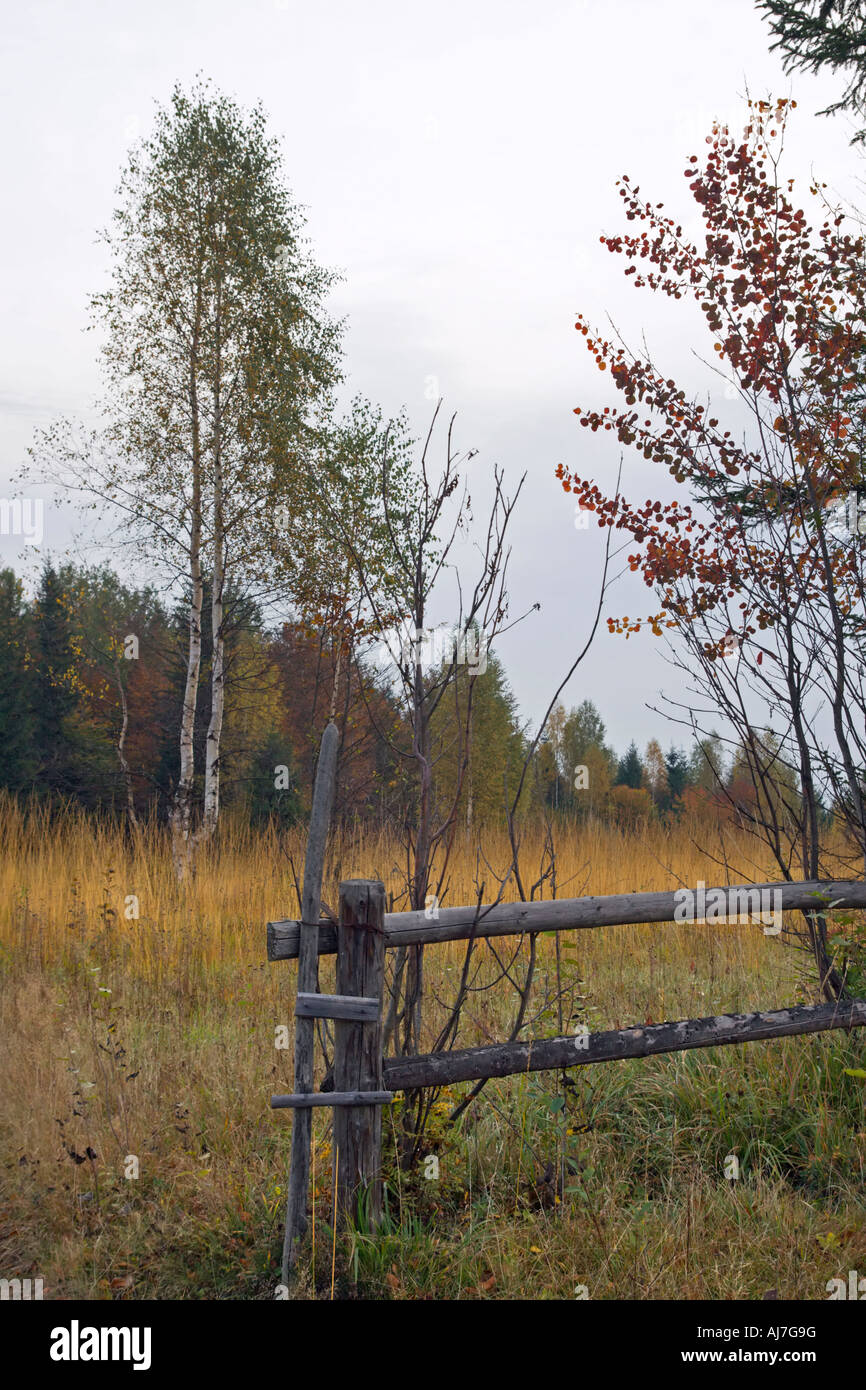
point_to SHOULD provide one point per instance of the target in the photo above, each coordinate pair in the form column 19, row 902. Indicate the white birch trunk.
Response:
column 217, row 708
column 182, row 811
column 121, row 747
column 218, row 689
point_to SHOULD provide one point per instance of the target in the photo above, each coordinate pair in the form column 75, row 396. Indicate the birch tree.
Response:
column 217, row 348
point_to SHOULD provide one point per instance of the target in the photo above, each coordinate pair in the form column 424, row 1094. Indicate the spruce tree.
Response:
column 54, row 687
column 814, row 34
column 677, row 770
column 16, row 688
column 630, row 771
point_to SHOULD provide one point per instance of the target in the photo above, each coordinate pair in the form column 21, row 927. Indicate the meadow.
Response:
column 141, row 1158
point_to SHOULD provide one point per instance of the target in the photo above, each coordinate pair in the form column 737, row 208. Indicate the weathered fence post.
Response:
column 308, row 977
column 358, row 1050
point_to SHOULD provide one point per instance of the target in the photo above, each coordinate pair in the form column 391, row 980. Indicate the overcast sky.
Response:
column 458, row 162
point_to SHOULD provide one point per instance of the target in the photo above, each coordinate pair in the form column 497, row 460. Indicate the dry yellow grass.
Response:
column 152, row 1039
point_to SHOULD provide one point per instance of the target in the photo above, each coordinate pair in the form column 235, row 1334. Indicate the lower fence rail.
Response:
column 583, row 1049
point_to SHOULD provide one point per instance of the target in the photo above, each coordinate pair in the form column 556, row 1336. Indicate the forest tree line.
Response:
column 91, row 687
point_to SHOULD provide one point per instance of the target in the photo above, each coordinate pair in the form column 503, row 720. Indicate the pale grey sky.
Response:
column 458, row 163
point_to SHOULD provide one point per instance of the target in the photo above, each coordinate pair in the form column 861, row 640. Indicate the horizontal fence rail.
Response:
column 343, row 1006
column 565, row 914
column 510, row 1059
column 310, row 1099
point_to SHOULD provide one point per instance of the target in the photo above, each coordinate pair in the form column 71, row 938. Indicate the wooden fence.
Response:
column 364, row 1080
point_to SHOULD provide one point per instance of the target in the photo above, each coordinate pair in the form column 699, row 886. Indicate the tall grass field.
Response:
column 141, row 1026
